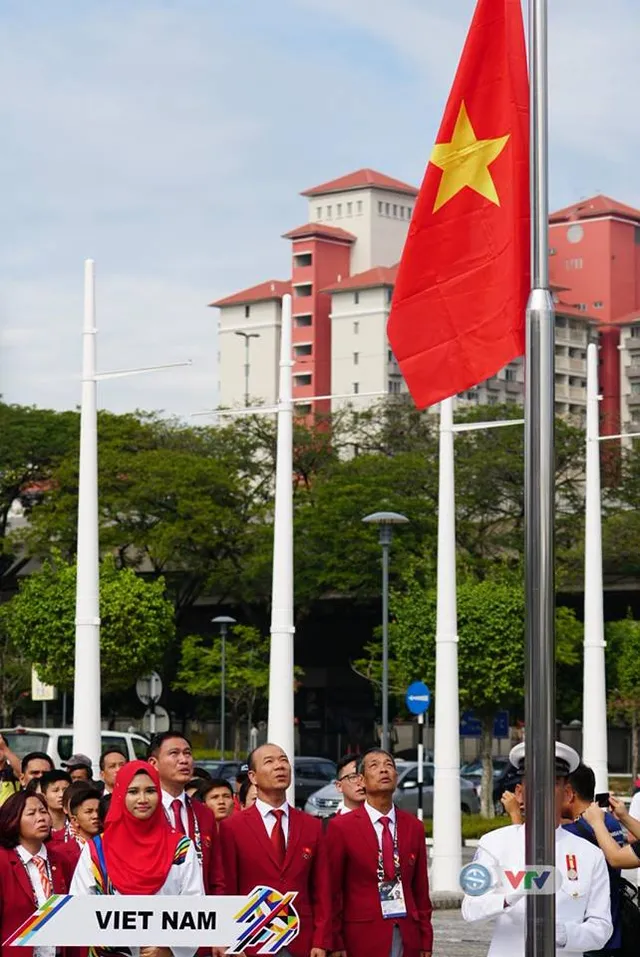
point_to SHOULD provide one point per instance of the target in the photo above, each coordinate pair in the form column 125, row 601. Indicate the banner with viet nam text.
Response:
column 266, row 919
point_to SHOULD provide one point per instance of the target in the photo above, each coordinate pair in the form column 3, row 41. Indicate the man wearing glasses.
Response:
column 350, row 784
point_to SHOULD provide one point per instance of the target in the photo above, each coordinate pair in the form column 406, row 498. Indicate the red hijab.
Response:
column 138, row 854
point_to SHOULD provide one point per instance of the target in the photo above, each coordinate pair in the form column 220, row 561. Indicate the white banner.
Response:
column 266, row 919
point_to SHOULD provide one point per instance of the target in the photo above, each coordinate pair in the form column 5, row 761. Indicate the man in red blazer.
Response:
column 172, row 755
column 381, row 905
column 275, row 845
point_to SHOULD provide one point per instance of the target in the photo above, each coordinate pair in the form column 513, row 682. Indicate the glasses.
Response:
column 351, row 778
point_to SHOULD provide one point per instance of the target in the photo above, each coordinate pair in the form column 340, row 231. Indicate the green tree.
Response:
column 623, row 669
column 136, row 623
column 15, row 672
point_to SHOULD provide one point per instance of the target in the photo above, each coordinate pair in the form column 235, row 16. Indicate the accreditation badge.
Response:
column 392, row 901
column 572, row 867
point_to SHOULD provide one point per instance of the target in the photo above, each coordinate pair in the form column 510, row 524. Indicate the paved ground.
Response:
column 455, row 938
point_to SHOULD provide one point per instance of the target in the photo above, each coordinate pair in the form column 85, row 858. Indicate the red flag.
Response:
column 460, row 294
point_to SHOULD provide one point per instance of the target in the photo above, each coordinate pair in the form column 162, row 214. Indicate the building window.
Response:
column 635, row 332
column 389, row 296
column 390, row 356
column 349, row 209
column 302, row 289
column 394, row 386
column 247, row 311
column 598, row 304
column 356, row 388
column 302, row 379
column 410, row 209
column 302, row 259
column 304, row 349
column 395, row 210
column 303, row 408
column 635, row 387
column 303, row 320
column 356, row 298
column 401, row 209
column 359, row 207
column 356, row 328
column 318, row 212
column 380, row 208
column 387, row 208
column 509, row 375
column 356, row 358
column 339, row 210
column 328, row 212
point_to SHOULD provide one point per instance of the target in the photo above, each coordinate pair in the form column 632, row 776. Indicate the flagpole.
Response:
column 594, row 698
column 539, row 512
column 446, row 858
column 281, row 670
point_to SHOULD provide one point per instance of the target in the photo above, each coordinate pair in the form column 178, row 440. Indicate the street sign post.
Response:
column 418, row 699
column 149, row 690
column 42, row 692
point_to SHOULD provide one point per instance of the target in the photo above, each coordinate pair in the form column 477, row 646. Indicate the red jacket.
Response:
column 16, row 894
column 212, row 873
column 249, row 859
column 358, row 924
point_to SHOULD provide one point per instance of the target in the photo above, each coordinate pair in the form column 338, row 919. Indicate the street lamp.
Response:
column 247, row 336
column 385, row 521
column 224, row 621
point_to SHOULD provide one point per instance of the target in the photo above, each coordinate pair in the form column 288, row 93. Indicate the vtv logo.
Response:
column 530, row 880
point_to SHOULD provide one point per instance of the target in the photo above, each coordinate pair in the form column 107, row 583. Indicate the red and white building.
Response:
column 343, row 265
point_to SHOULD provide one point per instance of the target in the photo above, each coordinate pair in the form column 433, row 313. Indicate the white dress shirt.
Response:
column 374, row 817
column 269, row 819
column 185, row 878
column 167, row 801
column 36, row 882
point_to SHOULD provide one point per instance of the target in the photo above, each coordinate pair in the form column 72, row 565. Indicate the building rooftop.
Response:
column 595, row 206
column 270, row 289
column 370, row 279
column 320, row 231
column 361, row 179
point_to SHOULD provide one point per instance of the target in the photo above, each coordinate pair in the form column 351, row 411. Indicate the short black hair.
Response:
column 244, row 790
column 36, row 756
column 201, row 773
column 205, row 787
column 345, row 760
column 583, row 782
column 373, row 751
column 83, row 791
column 50, row 777
column 111, row 751
column 159, row 739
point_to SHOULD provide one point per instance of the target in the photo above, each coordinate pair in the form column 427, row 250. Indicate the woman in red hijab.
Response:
column 139, row 853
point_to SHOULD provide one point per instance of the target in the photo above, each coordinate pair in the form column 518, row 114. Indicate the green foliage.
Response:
column 15, row 671
column 136, row 623
column 474, row 826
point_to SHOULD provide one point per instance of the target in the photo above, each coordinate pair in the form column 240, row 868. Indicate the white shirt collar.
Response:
column 265, row 809
column 25, row 856
column 375, row 815
column 168, row 799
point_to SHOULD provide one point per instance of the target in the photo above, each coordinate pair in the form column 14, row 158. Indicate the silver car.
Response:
column 326, row 801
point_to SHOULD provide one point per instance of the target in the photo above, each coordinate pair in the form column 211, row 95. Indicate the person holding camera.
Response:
column 626, row 857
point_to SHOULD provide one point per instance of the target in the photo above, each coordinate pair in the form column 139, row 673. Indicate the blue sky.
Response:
column 169, row 141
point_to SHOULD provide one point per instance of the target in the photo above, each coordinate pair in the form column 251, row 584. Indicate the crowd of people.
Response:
column 165, row 827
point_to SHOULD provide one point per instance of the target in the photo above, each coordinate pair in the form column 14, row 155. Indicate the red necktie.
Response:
column 176, row 807
column 44, row 877
column 387, row 850
column 277, row 836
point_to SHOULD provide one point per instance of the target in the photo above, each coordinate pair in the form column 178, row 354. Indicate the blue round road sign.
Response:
column 418, row 698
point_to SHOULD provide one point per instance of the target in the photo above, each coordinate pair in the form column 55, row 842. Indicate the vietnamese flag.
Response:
column 460, row 295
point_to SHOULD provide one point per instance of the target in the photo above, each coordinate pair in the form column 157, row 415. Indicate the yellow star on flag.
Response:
column 465, row 161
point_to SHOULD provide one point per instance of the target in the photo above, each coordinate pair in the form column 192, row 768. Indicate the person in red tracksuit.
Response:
column 275, row 845
column 378, row 860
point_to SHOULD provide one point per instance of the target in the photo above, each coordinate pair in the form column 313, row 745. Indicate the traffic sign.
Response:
column 149, row 688
column 41, row 691
column 417, row 698
column 156, row 721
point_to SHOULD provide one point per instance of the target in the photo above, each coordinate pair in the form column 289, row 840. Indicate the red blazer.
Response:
column 249, row 859
column 16, row 894
column 358, row 924
column 212, row 873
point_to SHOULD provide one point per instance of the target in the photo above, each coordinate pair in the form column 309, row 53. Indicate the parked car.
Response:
column 311, row 774
column 326, row 801
column 58, row 742
column 505, row 777
column 228, row 770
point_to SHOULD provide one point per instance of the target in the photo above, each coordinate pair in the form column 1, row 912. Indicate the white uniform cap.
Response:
column 567, row 760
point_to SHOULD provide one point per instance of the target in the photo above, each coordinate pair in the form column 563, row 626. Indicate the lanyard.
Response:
column 396, row 857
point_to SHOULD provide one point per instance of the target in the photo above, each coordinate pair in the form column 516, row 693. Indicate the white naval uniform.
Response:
column 185, row 878
column 583, row 910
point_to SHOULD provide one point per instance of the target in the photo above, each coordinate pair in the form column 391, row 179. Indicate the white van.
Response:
column 58, row 742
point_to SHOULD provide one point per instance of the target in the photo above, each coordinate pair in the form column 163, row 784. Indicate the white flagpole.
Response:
column 281, row 675
column 539, row 514
column 446, row 860
column 87, row 689
column 594, row 701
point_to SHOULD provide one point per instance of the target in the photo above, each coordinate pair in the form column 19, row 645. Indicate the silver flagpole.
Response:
column 539, row 512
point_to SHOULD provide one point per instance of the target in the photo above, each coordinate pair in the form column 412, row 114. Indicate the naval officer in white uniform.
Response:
column 583, row 912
